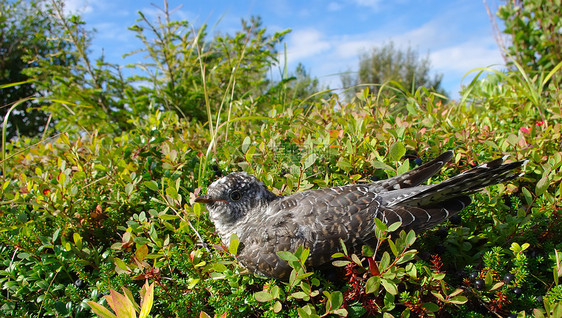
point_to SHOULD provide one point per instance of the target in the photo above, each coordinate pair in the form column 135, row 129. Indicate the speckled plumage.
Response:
column 318, row 219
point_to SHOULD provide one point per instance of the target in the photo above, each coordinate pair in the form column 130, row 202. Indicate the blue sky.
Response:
column 327, row 36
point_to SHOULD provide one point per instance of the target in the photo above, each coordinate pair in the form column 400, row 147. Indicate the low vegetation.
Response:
column 98, row 214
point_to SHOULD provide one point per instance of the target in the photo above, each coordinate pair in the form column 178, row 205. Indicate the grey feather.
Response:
column 318, row 219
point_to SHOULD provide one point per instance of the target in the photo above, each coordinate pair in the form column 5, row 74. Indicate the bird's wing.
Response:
column 413, row 177
column 315, row 219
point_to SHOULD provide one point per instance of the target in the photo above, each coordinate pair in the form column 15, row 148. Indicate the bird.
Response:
column 319, row 219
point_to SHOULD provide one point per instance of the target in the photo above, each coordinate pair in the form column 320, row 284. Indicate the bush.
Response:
column 89, row 211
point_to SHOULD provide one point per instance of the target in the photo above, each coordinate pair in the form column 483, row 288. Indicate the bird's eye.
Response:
column 235, row 195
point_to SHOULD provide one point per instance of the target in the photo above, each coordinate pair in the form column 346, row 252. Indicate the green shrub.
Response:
column 88, row 211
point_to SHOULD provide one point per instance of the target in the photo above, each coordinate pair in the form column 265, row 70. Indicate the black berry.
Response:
column 473, row 276
column 479, row 283
column 507, row 278
column 418, row 161
column 517, row 291
column 79, row 283
column 540, row 299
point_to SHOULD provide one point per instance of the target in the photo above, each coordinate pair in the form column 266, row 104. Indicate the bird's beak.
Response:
column 204, row 199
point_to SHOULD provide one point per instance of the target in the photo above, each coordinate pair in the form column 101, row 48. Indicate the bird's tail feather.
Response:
column 493, row 172
column 415, row 176
column 425, row 206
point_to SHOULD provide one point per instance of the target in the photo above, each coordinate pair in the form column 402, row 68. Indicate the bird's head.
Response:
column 232, row 197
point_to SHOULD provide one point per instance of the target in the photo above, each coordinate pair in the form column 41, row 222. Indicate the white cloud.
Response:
column 352, row 48
column 156, row 12
column 373, row 4
column 77, row 7
column 464, row 57
column 334, row 6
column 306, row 43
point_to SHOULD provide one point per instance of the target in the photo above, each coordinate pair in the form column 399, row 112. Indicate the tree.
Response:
column 386, row 63
column 533, row 27
column 196, row 78
column 28, row 35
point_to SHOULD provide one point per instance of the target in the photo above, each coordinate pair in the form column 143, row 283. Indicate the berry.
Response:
column 512, row 316
column 79, row 283
column 418, row 161
column 507, row 278
column 517, row 291
column 540, row 299
column 479, row 283
column 473, row 276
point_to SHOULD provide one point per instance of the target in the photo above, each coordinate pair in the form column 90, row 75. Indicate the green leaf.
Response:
column 168, row 217
column 394, row 226
column 277, row 306
column 263, row 296
column 389, row 302
column 338, row 255
column 410, row 238
column 380, row 225
column 234, row 243
column 385, row 261
column 100, row 310
column 246, row 144
column 408, row 256
column 367, row 251
column 147, row 299
column 302, row 313
column 489, row 279
column 171, row 192
column 250, row 153
column 390, row 286
column 77, row 240
column 431, row 307
column 343, row 247
column 438, row 296
column 340, row 312
column 287, row 256
column 459, row 300
column 542, row 185
column 275, row 291
column 381, row 165
column 192, row 283
column 304, row 255
column 152, row 185
column 356, row 259
column 397, row 151
column 527, row 195
column 337, row 299
column 121, row 264
column 299, row 295
column 220, row 268
column 122, row 305
column 404, row 167
column 129, row 189
column 340, row 263
column 373, row 285
column 393, row 248
column 309, row 161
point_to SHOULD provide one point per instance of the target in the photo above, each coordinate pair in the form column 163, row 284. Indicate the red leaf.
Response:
column 373, row 267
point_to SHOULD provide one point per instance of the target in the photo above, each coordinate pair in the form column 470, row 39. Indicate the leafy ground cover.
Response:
column 109, row 211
